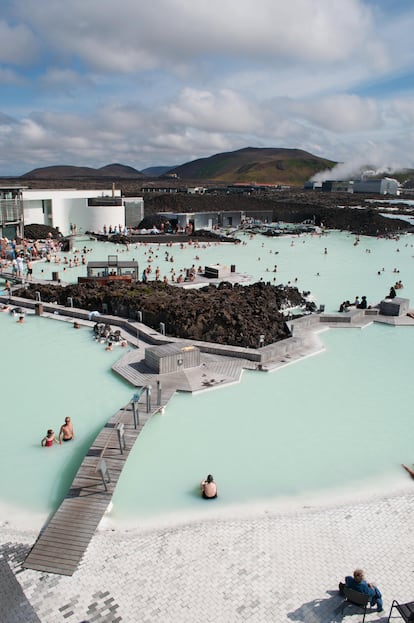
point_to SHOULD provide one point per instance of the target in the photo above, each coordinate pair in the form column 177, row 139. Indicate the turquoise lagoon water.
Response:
column 49, row 371
column 339, row 419
column 272, row 436
column 345, row 271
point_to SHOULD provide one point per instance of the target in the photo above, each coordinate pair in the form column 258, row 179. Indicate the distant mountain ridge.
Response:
column 260, row 165
column 64, row 172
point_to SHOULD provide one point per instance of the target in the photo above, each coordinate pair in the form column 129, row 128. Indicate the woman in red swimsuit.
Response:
column 49, row 440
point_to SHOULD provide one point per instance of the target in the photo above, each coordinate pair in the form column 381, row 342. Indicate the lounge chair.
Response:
column 355, row 598
column 406, row 611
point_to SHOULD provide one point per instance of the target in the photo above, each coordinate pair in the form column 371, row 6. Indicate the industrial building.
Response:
column 384, row 186
column 373, row 186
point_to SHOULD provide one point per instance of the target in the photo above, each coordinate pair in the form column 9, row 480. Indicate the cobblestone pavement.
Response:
column 271, row 565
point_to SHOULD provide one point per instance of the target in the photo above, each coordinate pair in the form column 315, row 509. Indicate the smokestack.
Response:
column 113, row 189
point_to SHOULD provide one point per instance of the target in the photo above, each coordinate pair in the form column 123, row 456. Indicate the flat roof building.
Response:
column 78, row 211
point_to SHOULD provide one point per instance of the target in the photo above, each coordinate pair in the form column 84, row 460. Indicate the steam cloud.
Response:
column 354, row 170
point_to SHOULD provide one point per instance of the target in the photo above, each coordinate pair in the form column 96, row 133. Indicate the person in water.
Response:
column 208, row 488
column 50, row 439
column 66, row 431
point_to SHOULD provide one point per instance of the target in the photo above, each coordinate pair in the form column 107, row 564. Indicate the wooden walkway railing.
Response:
column 64, row 540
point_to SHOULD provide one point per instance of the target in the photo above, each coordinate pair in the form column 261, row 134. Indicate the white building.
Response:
column 205, row 220
column 81, row 210
column 384, row 186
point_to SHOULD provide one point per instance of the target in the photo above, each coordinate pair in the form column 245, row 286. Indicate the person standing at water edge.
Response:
column 208, row 488
column 358, row 583
column 66, row 431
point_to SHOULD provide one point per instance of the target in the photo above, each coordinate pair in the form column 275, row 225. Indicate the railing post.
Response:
column 121, row 437
column 103, row 471
column 135, row 411
column 158, row 393
column 148, row 390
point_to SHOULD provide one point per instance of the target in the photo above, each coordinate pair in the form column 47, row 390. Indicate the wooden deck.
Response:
column 65, row 538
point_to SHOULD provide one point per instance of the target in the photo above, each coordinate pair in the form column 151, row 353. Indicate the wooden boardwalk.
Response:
column 65, row 538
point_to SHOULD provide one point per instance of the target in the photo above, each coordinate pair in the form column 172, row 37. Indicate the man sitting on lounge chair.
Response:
column 357, row 583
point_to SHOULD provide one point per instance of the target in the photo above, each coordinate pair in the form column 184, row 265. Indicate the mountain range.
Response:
column 67, row 172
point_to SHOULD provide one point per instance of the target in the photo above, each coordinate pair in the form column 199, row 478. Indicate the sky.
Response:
column 94, row 82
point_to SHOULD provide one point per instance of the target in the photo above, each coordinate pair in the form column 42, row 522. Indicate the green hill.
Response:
column 256, row 165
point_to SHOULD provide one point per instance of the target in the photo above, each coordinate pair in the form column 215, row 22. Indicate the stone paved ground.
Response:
column 271, row 565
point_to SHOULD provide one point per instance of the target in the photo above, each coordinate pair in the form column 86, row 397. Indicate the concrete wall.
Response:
column 71, row 207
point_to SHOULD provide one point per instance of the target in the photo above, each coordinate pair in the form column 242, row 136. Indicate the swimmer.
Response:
column 109, row 347
column 21, row 319
column 66, row 431
column 49, row 440
column 76, row 325
column 208, row 488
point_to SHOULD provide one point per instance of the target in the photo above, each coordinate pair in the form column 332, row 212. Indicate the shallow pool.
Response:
column 338, row 419
column 49, row 371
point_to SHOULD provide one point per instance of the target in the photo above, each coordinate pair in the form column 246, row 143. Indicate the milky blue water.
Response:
column 275, row 435
column 49, row 371
column 341, row 418
column 346, row 269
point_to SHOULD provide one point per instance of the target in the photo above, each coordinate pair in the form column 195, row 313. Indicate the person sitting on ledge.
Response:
column 208, row 488
column 363, row 303
column 358, row 583
column 392, row 293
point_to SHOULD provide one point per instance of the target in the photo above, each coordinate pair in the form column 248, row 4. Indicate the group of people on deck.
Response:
column 357, row 304
column 66, row 433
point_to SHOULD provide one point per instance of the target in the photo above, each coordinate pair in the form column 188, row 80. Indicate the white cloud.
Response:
column 224, row 111
column 340, row 113
column 18, row 46
column 133, row 36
